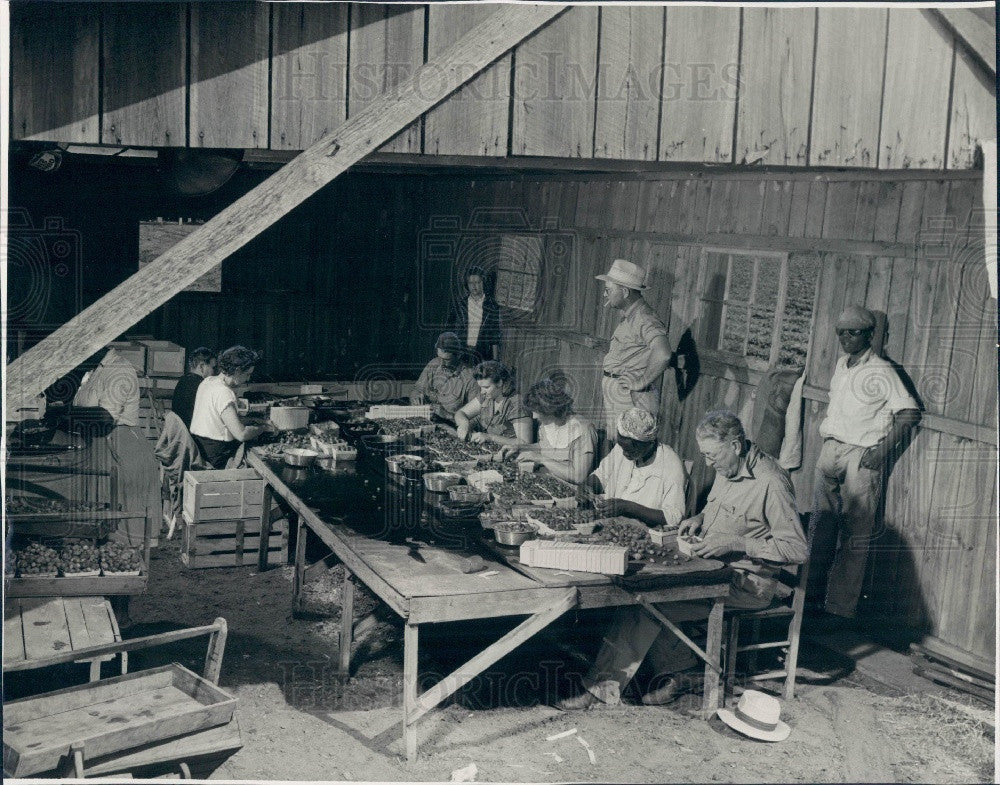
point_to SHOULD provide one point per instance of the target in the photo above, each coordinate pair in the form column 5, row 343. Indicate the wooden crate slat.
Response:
column 915, row 103
column 144, row 81
column 692, row 128
column 45, row 628
column 308, row 72
column 631, row 46
column 472, row 121
column 228, row 93
column 850, row 59
column 552, row 115
column 776, row 85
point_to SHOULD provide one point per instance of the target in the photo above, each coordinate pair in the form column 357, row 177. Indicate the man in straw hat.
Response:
column 639, row 352
column 750, row 521
column 640, row 477
column 869, row 415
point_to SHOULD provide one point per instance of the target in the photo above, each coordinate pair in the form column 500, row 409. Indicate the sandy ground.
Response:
column 302, row 722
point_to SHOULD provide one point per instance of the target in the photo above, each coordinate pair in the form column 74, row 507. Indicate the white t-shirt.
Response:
column 863, row 400
column 475, row 320
column 212, row 398
column 659, row 486
column 560, row 437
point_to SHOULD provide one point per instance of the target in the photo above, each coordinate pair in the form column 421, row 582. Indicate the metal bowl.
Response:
column 459, row 510
column 440, row 482
column 299, row 456
column 393, row 462
column 524, row 532
column 467, row 494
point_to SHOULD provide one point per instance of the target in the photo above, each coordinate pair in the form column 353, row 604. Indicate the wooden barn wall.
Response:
column 868, row 88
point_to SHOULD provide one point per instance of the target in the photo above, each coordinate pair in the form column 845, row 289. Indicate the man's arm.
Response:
column 659, row 358
column 417, row 395
column 902, row 423
column 785, row 542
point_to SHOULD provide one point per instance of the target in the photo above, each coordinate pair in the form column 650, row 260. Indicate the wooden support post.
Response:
column 95, row 669
column 410, row 643
column 265, row 529
column 247, row 217
column 346, row 622
column 299, row 576
column 466, row 673
column 713, row 645
column 710, row 661
column 733, row 642
column 76, row 749
column 216, row 649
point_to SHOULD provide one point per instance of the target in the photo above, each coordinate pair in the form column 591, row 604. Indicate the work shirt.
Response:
column 213, row 398
column 475, row 320
column 757, row 505
column 497, row 416
column 182, row 403
column 629, row 352
column 863, row 400
column 446, row 390
column 659, row 485
column 114, row 386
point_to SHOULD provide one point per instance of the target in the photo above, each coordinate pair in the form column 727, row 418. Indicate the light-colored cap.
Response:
column 856, row 317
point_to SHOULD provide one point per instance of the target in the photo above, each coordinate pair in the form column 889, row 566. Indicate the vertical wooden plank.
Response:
column 749, row 206
column 799, row 208
column 76, row 622
column 888, row 202
column 54, row 65
column 850, row 59
column 973, row 111
column 555, row 87
column 44, row 624
column 910, row 209
column 229, row 83
column 144, row 81
column 865, row 211
column 776, row 85
column 841, row 210
column 387, row 46
column 981, row 631
column 701, row 66
column 830, row 300
column 722, row 206
column 816, row 208
column 879, row 280
column 631, row 47
column 778, row 207
column 915, row 103
column 472, row 121
column 410, row 687
column 13, row 635
column 898, row 307
column 308, row 72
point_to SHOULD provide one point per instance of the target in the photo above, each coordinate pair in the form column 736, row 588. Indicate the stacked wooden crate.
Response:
column 224, row 513
column 160, row 364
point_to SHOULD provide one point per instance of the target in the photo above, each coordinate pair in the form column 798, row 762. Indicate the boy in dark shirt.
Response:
column 200, row 363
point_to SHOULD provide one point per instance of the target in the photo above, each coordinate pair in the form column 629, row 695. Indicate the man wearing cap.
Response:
column 750, row 522
column 446, row 382
column 640, row 478
column 869, row 415
column 639, row 352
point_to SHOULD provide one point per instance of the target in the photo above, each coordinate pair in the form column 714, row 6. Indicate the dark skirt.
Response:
column 216, row 453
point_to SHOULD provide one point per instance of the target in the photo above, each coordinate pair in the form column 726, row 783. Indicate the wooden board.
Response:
column 850, row 59
column 701, row 57
column 628, row 103
column 554, row 83
column 143, row 83
column 54, row 66
column 227, row 544
column 915, row 103
column 308, row 72
column 110, row 715
column 776, row 85
column 474, row 120
column 229, row 87
column 13, row 633
column 387, row 46
column 973, row 111
column 77, row 587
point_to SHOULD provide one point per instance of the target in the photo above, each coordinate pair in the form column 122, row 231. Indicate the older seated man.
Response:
column 446, row 382
column 750, row 521
column 640, row 478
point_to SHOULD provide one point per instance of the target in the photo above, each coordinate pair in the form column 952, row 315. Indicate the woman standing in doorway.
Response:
column 475, row 318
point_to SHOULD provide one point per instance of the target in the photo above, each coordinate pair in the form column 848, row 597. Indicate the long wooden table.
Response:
column 381, row 530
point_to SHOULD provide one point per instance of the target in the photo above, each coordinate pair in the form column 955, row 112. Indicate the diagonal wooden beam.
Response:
column 246, row 218
column 975, row 34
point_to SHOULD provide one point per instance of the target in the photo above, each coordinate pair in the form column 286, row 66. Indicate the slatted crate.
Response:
column 223, row 495
column 232, row 543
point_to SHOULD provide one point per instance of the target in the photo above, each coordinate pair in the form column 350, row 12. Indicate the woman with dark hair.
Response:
column 215, row 425
column 497, row 413
column 566, row 441
column 475, row 318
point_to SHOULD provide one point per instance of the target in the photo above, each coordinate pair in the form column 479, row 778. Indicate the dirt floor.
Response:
column 302, row 722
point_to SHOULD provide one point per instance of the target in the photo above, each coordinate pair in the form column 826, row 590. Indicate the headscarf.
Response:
column 637, row 424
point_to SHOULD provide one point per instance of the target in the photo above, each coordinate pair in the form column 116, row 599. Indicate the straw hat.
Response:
column 625, row 273
column 757, row 716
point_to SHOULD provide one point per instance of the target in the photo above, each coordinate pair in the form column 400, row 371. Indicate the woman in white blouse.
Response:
column 566, row 441
column 215, row 425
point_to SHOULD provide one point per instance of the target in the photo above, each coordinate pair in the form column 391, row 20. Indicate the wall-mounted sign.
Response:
column 156, row 237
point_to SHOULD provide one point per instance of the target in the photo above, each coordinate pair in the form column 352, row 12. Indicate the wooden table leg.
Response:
column 265, row 529
column 713, row 648
column 95, row 669
column 346, row 622
column 298, row 579
column 410, row 689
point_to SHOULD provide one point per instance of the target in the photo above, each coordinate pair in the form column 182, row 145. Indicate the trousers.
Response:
column 846, row 499
column 619, row 399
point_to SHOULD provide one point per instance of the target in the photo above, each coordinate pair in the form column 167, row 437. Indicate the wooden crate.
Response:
column 223, row 495
column 132, row 351
column 164, row 358
column 109, row 716
column 231, row 543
